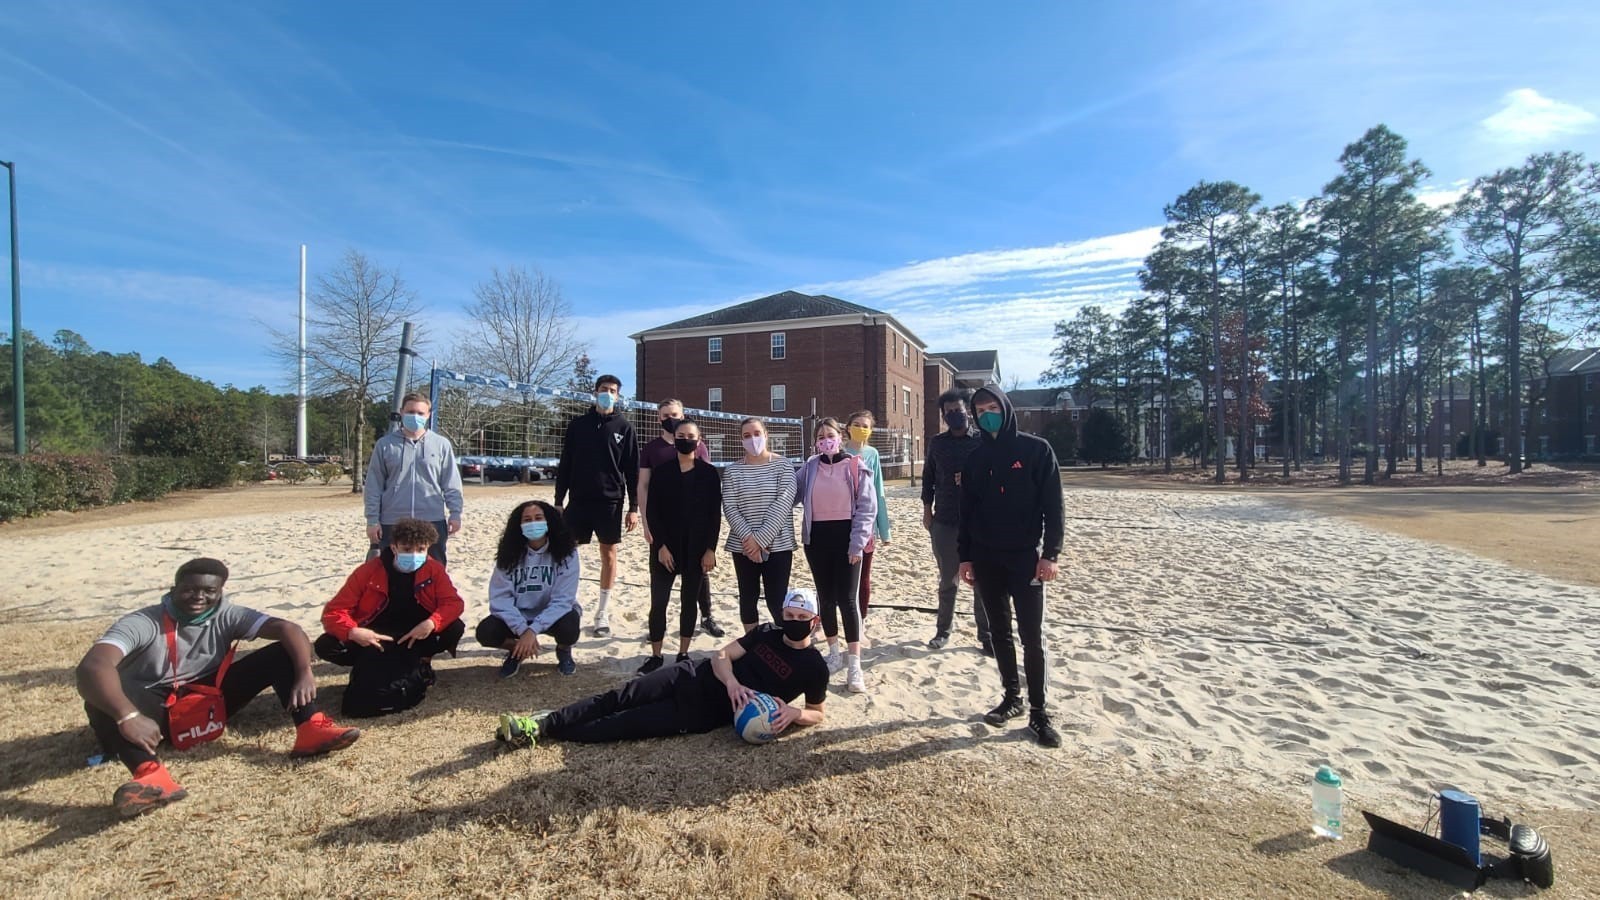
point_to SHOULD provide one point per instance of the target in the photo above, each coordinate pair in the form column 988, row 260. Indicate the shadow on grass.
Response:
column 667, row 773
column 71, row 822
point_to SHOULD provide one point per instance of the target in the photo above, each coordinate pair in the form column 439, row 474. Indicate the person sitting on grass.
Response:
column 697, row 697
column 395, row 612
column 167, row 672
column 534, row 589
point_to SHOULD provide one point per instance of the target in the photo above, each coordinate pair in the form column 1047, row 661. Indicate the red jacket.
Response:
column 366, row 592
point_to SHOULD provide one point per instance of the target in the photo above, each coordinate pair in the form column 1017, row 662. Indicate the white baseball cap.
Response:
column 800, row 598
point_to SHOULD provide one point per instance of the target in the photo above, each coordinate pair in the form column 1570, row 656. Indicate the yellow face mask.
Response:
column 860, row 434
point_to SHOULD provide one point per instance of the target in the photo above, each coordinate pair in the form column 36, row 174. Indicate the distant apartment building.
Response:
column 1565, row 420
column 792, row 354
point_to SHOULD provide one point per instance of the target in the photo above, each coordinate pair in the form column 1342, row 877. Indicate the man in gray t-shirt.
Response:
column 128, row 676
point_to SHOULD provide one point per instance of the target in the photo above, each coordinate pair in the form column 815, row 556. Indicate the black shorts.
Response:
column 595, row 519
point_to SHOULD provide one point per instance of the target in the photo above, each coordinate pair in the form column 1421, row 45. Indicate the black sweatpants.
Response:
column 492, row 632
column 1004, row 580
column 675, row 699
column 691, row 578
column 342, row 653
column 248, row 676
column 772, row 575
column 837, row 579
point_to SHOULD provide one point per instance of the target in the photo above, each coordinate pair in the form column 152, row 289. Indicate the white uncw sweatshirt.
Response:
column 536, row 592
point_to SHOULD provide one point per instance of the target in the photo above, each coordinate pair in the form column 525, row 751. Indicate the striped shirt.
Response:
column 759, row 500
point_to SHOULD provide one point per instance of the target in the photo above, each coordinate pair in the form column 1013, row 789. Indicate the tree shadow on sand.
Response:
column 664, row 774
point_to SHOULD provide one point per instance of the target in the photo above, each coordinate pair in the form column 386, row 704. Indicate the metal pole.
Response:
column 300, row 402
column 402, row 375
column 18, row 397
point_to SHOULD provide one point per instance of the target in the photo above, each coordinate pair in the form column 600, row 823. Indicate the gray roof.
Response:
column 772, row 308
column 1575, row 362
column 1037, row 398
column 972, row 360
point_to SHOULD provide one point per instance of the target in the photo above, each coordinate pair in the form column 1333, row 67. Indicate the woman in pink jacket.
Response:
column 839, row 503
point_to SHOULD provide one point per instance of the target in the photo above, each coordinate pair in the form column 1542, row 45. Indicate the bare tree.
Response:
column 521, row 328
column 353, row 322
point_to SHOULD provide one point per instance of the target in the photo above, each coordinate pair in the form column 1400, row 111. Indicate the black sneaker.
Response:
column 1010, row 707
column 650, row 665
column 711, row 627
column 938, row 641
column 682, row 657
column 1043, row 731
column 428, row 677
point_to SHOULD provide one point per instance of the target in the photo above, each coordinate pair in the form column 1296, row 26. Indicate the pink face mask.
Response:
column 828, row 446
column 754, row 445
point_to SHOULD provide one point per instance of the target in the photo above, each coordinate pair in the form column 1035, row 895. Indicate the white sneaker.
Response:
column 835, row 661
column 855, row 681
column 602, row 623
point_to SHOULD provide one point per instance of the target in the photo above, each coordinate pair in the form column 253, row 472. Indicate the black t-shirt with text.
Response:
column 773, row 667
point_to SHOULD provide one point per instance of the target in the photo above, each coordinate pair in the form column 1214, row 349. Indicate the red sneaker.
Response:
column 152, row 787
column 318, row 735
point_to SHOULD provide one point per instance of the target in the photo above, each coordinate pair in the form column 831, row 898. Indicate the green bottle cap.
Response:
column 1328, row 776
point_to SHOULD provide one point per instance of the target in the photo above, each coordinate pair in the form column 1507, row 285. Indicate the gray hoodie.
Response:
column 412, row 478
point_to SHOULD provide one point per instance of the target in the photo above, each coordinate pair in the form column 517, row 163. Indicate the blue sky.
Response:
column 980, row 171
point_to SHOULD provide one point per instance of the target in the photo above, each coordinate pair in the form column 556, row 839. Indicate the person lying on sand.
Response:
column 395, row 612
column 697, row 697
column 167, row 672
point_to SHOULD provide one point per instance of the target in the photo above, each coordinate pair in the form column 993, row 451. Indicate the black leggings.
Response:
column 492, row 632
column 673, row 699
column 836, row 577
column 248, row 676
column 692, row 577
column 753, row 576
column 342, row 653
column 1005, row 579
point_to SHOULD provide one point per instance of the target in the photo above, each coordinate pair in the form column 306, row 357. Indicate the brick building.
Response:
column 790, row 354
column 1565, row 419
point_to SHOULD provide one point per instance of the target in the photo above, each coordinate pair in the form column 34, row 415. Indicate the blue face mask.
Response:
column 410, row 562
column 414, row 421
column 991, row 421
column 605, row 401
column 535, row 530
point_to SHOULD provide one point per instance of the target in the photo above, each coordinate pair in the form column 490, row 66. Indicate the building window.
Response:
column 779, row 346
column 1588, row 413
column 714, row 446
column 778, row 444
column 1544, row 445
column 714, row 399
column 905, row 351
column 905, row 394
column 1588, row 444
column 713, row 350
column 1074, row 415
column 1544, row 413
column 780, row 398
column 1588, row 382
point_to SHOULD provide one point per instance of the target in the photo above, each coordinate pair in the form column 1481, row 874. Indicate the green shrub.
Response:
column 294, row 472
column 250, row 472
column 16, row 488
column 71, row 482
column 328, row 472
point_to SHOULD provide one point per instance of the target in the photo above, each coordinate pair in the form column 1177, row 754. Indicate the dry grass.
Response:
column 425, row 804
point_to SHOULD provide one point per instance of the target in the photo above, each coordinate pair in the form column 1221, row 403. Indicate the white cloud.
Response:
column 1530, row 117
column 1006, row 300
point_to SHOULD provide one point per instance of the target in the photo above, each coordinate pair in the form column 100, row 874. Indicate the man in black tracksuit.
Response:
column 599, row 462
column 1010, row 501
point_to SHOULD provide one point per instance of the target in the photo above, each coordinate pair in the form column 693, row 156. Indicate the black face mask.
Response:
column 685, row 445
column 670, row 425
column 796, row 630
column 956, row 419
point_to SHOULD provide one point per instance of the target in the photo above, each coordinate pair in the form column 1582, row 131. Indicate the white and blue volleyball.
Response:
column 754, row 721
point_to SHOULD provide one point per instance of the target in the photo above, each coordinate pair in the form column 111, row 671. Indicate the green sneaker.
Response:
column 518, row 731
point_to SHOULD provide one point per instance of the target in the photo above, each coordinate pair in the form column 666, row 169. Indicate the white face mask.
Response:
column 755, row 445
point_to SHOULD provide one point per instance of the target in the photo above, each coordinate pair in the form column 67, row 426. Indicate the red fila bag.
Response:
column 196, row 713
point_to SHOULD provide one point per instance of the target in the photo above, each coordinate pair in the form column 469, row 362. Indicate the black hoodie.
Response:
column 599, row 460
column 1010, row 491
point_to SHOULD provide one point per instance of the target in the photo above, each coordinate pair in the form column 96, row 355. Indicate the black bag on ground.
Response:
column 383, row 683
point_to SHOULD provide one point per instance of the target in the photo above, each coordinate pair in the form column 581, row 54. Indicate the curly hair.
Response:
column 413, row 533
column 513, row 545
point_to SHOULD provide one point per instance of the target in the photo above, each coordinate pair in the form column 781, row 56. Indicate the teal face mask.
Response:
column 183, row 618
column 991, row 421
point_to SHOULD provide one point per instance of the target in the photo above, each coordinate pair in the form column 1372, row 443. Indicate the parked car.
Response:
column 471, row 470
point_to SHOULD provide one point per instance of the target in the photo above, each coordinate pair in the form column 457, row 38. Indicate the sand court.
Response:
column 1225, row 634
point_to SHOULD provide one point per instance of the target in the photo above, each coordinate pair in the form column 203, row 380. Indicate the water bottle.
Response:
column 1327, row 804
